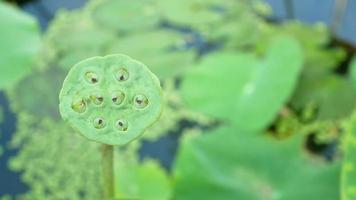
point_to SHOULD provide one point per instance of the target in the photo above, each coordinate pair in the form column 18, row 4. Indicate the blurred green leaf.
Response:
column 72, row 57
column 146, row 180
column 332, row 94
column 20, row 41
column 46, row 85
column 241, row 27
column 174, row 112
column 190, row 12
column 70, row 42
column 304, row 32
column 348, row 176
column 237, row 33
column 126, row 15
column 224, row 164
column 243, row 89
column 159, row 50
column 352, row 72
column 315, row 40
column 84, row 34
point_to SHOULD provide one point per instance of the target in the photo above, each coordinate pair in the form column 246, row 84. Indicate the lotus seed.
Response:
column 140, row 101
column 97, row 99
column 79, row 105
column 99, row 123
column 91, row 77
column 122, row 125
column 122, row 74
column 118, row 97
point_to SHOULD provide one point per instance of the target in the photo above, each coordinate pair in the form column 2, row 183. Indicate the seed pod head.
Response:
column 110, row 99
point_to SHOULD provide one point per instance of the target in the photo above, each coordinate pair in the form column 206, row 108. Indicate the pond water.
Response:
column 9, row 181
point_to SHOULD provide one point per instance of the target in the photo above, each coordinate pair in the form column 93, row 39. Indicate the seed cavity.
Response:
column 91, row 77
column 122, row 125
column 99, row 123
column 117, row 97
column 122, row 74
column 79, row 105
column 140, row 101
column 96, row 99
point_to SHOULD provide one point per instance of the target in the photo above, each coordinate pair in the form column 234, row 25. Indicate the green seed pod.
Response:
column 140, row 101
column 96, row 98
column 122, row 125
column 122, row 74
column 99, row 123
column 91, row 77
column 110, row 99
column 118, row 97
column 78, row 105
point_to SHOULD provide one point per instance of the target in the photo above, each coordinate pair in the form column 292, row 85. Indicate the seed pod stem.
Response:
column 107, row 155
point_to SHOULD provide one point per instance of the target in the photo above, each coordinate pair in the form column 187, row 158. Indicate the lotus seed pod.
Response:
column 118, row 97
column 140, row 101
column 110, row 99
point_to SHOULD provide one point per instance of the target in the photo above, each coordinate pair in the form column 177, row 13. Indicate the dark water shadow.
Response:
column 10, row 182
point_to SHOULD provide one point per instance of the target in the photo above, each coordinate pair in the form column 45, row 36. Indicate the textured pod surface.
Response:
column 110, row 99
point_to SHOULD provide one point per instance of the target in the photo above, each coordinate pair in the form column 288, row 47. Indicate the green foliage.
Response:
column 325, row 91
column 142, row 181
column 20, row 41
column 352, row 73
column 233, row 69
column 110, row 99
column 225, row 164
column 252, row 90
column 106, row 14
column 348, row 191
column 162, row 51
column 173, row 112
column 66, row 43
column 55, row 163
column 191, row 12
column 135, row 180
column 316, row 55
column 46, row 84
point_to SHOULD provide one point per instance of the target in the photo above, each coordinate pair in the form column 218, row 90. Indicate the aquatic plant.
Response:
column 20, row 38
column 110, row 100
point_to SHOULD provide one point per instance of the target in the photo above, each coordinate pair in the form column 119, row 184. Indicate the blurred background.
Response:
column 260, row 97
column 338, row 15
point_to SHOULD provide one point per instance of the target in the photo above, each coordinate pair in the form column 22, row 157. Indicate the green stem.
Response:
column 107, row 154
